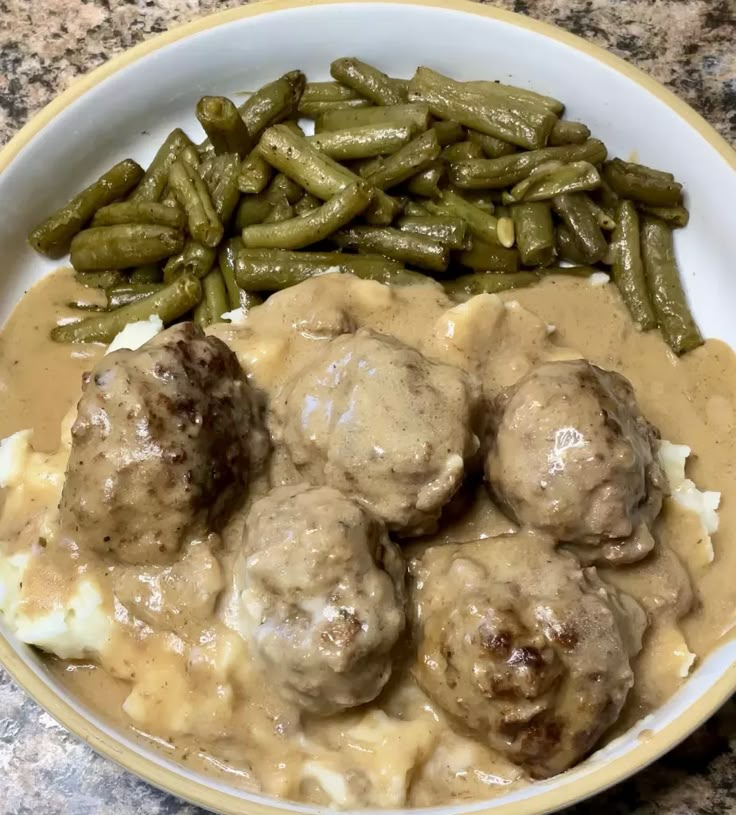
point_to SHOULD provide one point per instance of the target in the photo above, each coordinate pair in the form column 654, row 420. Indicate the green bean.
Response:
column 118, row 296
column 418, row 250
column 499, row 173
column 483, row 199
column 201, row 315
column 511, row 121
column 190, row 155
column 488, row 257
column 328, row 92
column 362, row 142
column 281, row 211
column 255, row 173
column 273, row 102
column 284, row 188
column 139, row 212
column 314, row 226
column 226, row 262
column 306, row 203
column 272, row 270
column 123, row 246
column 517, row 95
column 100, row 280
column 192, row 193
column 665, row 287
column 605, row 220
column 215, row 295
column 567, row 248
column 414, row 116
column 462, row 151
column 673, row 216
column 171, row 302
column 78, row 305
column 446, row 230
column 313, row 110
column 627, row 269
column 576, row 213
column 223, row 125
column 481, row 225
column 414, row 209
column 220, row 174
column 490, row 145
column 53, row 236
column 553, row 179
column 406, row 162
column 253, row 209
column 320, row 175
column 152, row 186
column 195, row 259
column 448, row 132
column 642, row 184
column 367, row 81
column 564, row 132
column 150, row 273
column 535, row 233
column 427, row 182
column 569, row 271
column 469, row 285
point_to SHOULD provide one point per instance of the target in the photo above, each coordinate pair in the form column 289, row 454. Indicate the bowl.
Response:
column 128, row 106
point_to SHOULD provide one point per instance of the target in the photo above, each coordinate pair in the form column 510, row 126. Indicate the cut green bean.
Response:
column 567, row 247
column 462, row 151
column 154, row 182
column 253, row 209
column 306, row 203
column 627, row 269
column 535, row 233
column 367, row 81
column 215, row 295
column 642, row 184
column 53, row 236
column 446, row 230
column 362, row 142
column 118, row 296
column 490, row 145
column 499, row 173
column 426, row 183
column 194, row 196
column 417, row 250
column 282, row 210
column 488, row 283
column 483, row 199
column 488, row 257
column 328, row 92
column 273, row 102
column 580, row 219
column 315, row 225
column 553, row 179
column 675, row 217
column 195, row 259
column 320, row 175
column 171, row 302
column 448, row 132
column 406, row 162
column 570, row 271
column 150, row 273
column 284, row 188
column 220, row 174
column 415, row 116
column 511, row 121
column 314, row 110
column 223, row 125
column 255, row 173
column 226, row 261
column 665, row 288
column 512, row 94
column 564, row 132
column 100, row 280
column 414, row 209
column 123, row 246
column 140, row 212
column 272, row 270
column 480, row 224
column 201, row 315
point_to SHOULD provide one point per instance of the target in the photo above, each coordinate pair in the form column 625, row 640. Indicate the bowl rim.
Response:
column 199, row 792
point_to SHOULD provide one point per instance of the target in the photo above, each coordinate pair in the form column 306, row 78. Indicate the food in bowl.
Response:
column 311, row 509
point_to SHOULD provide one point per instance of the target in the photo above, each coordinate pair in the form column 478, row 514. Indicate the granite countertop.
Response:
column 44, row 45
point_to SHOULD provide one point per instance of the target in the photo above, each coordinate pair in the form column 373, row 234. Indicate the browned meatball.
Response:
column 379, row 421
column 573, row 456
column 162, row 447
column 524, row 647
column 322, row 591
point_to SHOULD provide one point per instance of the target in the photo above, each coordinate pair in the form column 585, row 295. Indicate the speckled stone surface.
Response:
column 690, row 45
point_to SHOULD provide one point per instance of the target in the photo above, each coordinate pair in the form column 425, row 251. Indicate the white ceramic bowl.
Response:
column 127, row 107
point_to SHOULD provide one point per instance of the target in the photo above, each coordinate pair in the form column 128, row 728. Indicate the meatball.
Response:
column 162, row 447
column 573, row 457
column 322, row 597
column 377, row 420
column 523, row 647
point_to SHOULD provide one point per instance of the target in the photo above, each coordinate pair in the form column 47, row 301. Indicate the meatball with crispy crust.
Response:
column 379, row 421
column 524, row 647
column 162, row 447
column 572, row 455
column 322, row 593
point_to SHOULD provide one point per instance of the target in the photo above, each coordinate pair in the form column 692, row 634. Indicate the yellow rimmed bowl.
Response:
column 129, row 105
